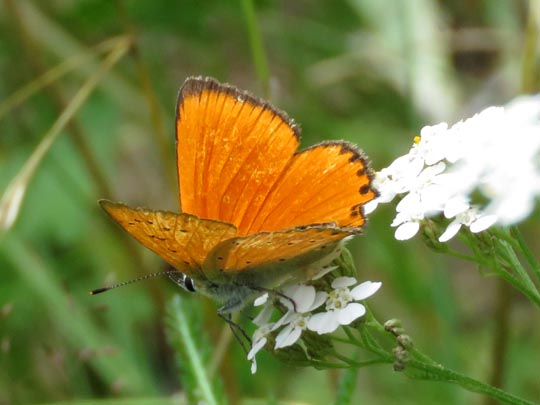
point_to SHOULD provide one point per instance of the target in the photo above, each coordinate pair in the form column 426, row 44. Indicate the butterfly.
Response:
column 256, row 212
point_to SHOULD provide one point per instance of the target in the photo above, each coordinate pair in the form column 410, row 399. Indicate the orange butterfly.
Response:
column 255, row 212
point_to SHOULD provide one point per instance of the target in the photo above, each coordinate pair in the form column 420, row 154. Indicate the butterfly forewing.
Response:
column 231, row 150
column 182, row 240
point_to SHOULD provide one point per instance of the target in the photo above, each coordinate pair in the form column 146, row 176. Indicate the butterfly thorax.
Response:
column 232, row 296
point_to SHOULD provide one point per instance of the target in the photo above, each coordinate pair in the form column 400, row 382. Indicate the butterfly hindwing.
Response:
column 267, row 256
column 326, row 183
column 182, row 240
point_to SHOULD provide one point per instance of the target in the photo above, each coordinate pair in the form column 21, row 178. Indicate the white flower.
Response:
column 340, row 305
column 495, row 153
column 306, row 299
column 301, row 300
column 260, row 337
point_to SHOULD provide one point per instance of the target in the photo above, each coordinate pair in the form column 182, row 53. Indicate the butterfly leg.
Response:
column 236, row 329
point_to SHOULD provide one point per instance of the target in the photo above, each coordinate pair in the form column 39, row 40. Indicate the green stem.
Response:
column 147, row 89
column 535, row 265
column 462, row 256
column 526, row 284
column 439, row 373
column 360, row 364
column 499, row 351
column 182, row 325
column 256, row 45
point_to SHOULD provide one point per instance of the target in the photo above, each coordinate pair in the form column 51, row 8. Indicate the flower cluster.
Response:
column 494, row 155
column 300, row 300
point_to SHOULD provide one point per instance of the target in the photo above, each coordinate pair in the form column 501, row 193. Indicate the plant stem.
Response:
column 535, row 265
column 256, row 45
column 439, row 373
column 500, row 346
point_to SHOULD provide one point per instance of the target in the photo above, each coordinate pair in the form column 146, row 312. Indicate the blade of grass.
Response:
column 196, row 378
column 256, row 45
column 149, row 95
column 55, row 73
column 54, row 39
column 13, row 197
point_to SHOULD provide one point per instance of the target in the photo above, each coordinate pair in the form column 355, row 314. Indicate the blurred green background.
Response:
column 371, row 72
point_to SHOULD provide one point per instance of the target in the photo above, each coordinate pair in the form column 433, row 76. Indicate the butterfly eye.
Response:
column 182, row 280
column 189, row 284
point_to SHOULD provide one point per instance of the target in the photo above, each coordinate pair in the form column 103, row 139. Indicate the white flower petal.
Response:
column 320, row 299
column 253, row 366
column 483, row 223
column 365, row 290
column 351, row 312
column 302, row 295
column 451, row 231
column 288, row 336
column 455, row 206
column 371, row 206
column 257, row 345
column 343, row 282
column 284, row 320
column 323, row 322
column 263, row 317
column 407, row 230
column 260, row 300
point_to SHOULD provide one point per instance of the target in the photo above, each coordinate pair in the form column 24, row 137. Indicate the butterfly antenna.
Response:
column 135, row 280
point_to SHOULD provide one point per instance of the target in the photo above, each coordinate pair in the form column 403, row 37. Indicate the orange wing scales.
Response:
column 327, row 183
column 182, row 240
column 265, row 250
column 237, row 164
column 231, row 149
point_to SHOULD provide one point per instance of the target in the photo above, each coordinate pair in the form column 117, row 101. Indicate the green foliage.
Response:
column 370, row 72
column 193, row 354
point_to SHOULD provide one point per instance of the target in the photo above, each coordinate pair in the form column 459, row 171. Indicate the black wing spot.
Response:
column 290, row 243
column 131, row 223
column 186, row 263
column 361, row 172
column 148, row 221
column 137, row 220
column 312, row 241
column 161, row 238
column 356, row 210
column 220, row 257
column 182, row 230
column 166, row 228
column 173, row 250
column 152, row 236
column 248, row 261
column 236, row 243
column 281, row 259
column 365, row 189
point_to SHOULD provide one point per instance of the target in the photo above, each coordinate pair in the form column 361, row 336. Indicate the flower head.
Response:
column 303, row 304
column 341, row 308
column 495, row 154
